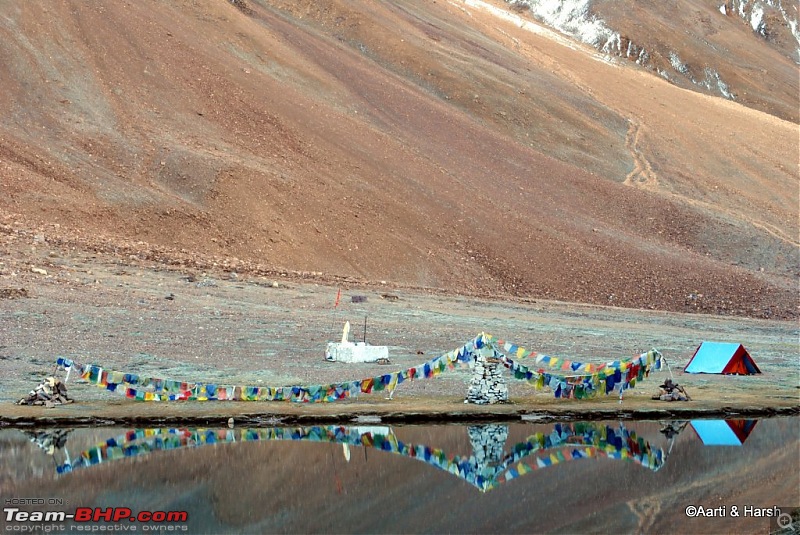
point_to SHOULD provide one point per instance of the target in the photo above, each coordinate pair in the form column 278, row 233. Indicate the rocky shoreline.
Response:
column 405, row 412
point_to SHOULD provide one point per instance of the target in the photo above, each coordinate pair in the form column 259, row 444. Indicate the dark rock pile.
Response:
column 49, row 393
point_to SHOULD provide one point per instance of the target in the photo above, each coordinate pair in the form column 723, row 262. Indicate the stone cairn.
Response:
column 487, row 385
column 50, row 392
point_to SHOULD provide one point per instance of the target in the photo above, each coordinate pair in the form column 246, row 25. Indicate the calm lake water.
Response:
column 577, row 477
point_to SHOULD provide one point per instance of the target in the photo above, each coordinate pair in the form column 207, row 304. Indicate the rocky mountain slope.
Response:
column 696, row 45
column 453, row 144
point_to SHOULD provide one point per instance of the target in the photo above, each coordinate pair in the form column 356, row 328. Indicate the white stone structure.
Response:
column 355, row 352
column 487, row 385
column 346, row 351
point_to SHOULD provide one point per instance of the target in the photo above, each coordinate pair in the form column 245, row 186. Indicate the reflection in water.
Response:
column 489, row 465
column 296, row 480
column 723, row 432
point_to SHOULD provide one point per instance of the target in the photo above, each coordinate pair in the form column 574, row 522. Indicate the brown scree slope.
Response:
column 423, row 143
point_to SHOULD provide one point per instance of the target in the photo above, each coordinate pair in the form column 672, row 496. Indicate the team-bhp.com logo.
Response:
column 95, row 514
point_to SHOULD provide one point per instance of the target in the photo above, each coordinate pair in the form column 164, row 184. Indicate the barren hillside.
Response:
column 452, row 144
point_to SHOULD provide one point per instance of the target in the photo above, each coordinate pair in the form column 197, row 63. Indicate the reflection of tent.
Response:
column 718, row 357
column 723, row 432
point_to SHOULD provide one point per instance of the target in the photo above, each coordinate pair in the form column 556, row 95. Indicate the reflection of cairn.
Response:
column 488, row 442
column 50, row 392
column 487, row 385
column 49, row 441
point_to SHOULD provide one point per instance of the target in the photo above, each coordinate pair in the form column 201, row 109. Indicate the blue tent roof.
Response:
column 715, row 433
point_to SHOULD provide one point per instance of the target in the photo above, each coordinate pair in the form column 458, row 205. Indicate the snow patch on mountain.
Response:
column 574, row 18
column 755, row 13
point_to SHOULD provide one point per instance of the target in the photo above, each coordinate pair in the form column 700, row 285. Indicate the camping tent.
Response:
column 718, row 357
column 723, row 432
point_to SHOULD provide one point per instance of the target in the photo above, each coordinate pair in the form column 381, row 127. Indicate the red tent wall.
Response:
column 741, row 363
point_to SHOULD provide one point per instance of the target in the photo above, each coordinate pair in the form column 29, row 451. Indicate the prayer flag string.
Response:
column 606, row 378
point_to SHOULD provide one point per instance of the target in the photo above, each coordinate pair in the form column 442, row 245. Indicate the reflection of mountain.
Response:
column 487, row 467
